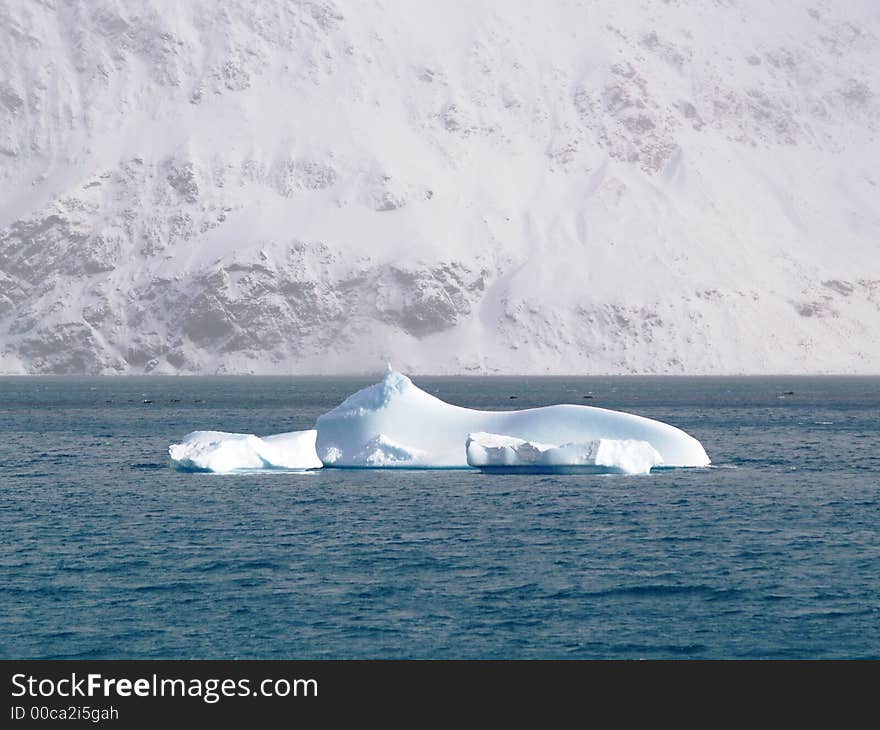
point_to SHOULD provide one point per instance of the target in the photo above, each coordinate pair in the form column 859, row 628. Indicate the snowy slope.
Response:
column 316, row 187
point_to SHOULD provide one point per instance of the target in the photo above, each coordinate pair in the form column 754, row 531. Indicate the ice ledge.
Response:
column 614, row 456
column 225, row 453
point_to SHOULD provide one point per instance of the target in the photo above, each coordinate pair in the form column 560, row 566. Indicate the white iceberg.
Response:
column 395, row 424
column 226, row 453
column 614, row 456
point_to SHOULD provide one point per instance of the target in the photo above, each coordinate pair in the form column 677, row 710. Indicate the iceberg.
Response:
column 395, row 424
column 496, row 452
column 225, row 453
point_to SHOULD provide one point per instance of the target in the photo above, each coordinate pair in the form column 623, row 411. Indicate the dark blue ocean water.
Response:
column 106, row 552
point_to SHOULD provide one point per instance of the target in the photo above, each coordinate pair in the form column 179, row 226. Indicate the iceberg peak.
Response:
column 374, row 397
column 395, row 382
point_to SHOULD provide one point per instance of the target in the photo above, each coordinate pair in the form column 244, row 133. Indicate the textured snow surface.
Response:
column 395, row 424
column 318, row 186
column 225, row 453
column 608, row 455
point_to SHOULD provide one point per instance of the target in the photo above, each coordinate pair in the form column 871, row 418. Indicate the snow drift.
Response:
column 395, row 424
column 226, row 453
column 614, row 456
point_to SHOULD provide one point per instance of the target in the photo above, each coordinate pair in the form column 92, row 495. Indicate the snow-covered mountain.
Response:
column 557, row 187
